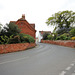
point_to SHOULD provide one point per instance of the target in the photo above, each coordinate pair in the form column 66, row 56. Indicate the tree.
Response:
column 11, row 29
column 63, row 30
column 72, row 32
column 45, row 36
column 62, row 19
column 0, row 27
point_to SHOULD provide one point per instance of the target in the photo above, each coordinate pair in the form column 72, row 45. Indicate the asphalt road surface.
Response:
column 44, row 59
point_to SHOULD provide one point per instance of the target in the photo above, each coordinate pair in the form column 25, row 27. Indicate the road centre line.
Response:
column 72, row 64
column 13, row 60
column 68, row 68
column 63, row 73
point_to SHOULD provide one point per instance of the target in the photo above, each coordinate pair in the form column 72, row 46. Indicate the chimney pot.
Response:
column 23, row 16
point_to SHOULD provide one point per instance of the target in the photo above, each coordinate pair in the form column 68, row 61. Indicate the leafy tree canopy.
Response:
column 10, row 29
column 62, row 19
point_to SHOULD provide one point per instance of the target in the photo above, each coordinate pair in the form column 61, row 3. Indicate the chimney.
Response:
column 23, row 16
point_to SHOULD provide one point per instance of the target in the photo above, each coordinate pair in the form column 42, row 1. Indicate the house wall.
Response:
column 40, row 37
column 25, row 28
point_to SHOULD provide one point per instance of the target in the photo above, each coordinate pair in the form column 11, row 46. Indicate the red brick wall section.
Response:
column 15, row 47
column 26, row 28
column 68, row 43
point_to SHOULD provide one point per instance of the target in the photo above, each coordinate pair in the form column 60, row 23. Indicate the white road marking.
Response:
column 63, row 73
column 13, row 60
column 68, row 68
column 72, row 64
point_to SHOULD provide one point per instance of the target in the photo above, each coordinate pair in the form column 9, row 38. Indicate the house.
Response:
column 37, row 40
column 41, row 33
column 27, row 28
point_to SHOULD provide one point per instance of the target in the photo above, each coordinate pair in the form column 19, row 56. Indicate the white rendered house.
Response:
column 41, row 33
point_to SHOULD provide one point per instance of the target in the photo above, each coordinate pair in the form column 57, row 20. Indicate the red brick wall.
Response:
column 62, row 43
column 26, row 28
column 15, row 47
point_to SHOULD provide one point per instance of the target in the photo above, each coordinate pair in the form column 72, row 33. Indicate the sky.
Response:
column 36, row 11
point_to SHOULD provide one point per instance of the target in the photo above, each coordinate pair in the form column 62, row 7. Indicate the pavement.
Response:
column 44, row 59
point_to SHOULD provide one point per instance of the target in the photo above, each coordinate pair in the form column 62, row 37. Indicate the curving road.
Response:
column 44, row 59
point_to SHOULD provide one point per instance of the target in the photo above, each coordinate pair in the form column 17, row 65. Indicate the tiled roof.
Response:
column 42, row 32
column 33, row 25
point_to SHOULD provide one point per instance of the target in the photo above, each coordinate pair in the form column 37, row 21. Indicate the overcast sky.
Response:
column 36, row 11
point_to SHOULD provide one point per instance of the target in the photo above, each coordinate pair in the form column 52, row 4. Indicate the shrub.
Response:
column 50, row 37
column 64, row 36
column 15, row 39
column 5, row 39
column 55, row 36
column 72, row 32
column 20, row 38
column 26, row 38
column 45, row 36
column 73, row 38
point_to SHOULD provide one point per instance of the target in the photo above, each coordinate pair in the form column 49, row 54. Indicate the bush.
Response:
column 73, row 38
column 15, row 39
column 55, row 36
column 20, row 38
column 72, row 32
column 64, row 36
column 45, row 36
column 5, row 39
column 50, row 37
column 26, row 38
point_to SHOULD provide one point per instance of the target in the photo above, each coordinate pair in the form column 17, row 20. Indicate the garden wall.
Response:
column 15, row 47
column 68, row 43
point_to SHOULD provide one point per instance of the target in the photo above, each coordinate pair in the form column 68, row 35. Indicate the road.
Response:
column 44, row 59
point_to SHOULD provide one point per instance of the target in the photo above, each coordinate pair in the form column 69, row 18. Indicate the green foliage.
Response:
column 50, row 37
column 64, row 36
column 12, row 29
column 63, row 22
column 63, row 30
column 5, row 39
column 55, row 36
column 26, row 38
column 20, row 38
column 72, row 32
column 11, row 34
column 45, row 36
column 62, row 19
column 15, row 39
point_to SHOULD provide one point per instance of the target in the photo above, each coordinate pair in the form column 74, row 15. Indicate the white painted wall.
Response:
column 40, row 37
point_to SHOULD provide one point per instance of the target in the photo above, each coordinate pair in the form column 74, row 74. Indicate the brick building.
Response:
column 26, row 27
